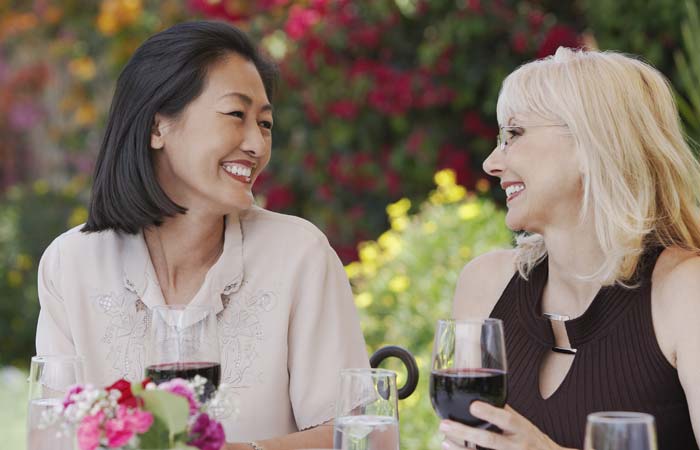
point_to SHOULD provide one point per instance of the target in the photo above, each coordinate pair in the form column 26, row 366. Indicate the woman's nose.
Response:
column 254, row 143
column 493, row 164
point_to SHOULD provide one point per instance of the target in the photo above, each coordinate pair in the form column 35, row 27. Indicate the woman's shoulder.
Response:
column 78, row 245
column 274, row 227
column 481, row 283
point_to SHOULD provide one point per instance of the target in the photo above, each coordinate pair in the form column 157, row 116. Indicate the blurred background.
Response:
column 384, row 112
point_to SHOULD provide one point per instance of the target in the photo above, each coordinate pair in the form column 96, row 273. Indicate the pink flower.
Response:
column 89, row 431
column 180, row 387
column 300, row 21
column 128, row 422
column 68, row 400
column 207, row 434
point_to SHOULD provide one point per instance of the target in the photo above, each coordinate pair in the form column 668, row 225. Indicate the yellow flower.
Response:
column 368, row 251
column 399, row 223
column 455, row 193
column 483, row 185
column 363, row 300
column 14, row 278
column 353, row 269
column 398, row 209
column 391, row 243
column 445, row 178
column 369, row 269
column 399, row 283
column 41, row 187
column 429, row 227
column 107, row 23
column 23, row 262
column 83, row 68
column 85, row 115
column 469, row 211
column 437, row 198
column 78, row 216
column 465, row 252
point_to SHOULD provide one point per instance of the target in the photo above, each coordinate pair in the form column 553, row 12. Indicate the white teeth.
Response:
column 237, row 169
column 513, row 188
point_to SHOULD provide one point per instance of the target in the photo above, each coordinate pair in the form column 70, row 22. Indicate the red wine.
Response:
column 187, row 370
column 452, row 391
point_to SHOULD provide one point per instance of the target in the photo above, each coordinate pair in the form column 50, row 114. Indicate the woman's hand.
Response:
column 518, row 432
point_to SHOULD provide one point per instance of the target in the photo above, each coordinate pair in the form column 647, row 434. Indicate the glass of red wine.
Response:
column 184, row 343
column 469, row 364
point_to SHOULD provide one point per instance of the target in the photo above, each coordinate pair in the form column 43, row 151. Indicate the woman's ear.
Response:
column 157, row 135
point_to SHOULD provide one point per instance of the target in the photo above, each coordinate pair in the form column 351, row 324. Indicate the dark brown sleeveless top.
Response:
column 618, row 365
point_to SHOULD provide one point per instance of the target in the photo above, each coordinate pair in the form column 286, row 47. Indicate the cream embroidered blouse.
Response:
column 287, row 323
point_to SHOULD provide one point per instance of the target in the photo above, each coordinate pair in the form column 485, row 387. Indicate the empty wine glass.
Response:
column 367, row 415
column 184, row 343
column 620, row 431
column 469, row 364
column 50, row 378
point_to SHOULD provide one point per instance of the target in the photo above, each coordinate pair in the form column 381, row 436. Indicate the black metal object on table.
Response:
column 394, row 351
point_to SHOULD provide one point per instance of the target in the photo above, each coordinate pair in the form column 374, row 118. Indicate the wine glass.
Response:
column 50, row 378
column 469, row 364
column 184, row 343
column 620, row 431
column 367, row 415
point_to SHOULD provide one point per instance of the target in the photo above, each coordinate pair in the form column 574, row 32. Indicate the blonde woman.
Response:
column 601, row 297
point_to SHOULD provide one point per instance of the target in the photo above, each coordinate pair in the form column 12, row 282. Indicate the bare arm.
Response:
column 680, row 292
column 318, row 437
column 481, row 284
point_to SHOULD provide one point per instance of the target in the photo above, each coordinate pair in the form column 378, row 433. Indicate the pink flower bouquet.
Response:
column 142, row 416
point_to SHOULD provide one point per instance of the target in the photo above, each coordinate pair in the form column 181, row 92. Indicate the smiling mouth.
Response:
column 240, row 171
column 513, row 191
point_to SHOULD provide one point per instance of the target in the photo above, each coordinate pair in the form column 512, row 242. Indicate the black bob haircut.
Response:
column 164, row 75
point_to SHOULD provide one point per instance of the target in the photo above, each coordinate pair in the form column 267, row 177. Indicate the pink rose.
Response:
column 89, row 431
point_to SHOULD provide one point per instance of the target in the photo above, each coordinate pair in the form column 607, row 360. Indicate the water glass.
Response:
column 367, row 411
column 50, row 378
column 620, row 431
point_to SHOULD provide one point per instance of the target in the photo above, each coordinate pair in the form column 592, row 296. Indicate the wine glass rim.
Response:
column 484, row 321
column 57, row 357
column 620, row 416
column 371, row 371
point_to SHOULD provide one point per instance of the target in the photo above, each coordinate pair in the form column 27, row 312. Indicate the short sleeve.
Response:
column 53, row 335
column 324, row 336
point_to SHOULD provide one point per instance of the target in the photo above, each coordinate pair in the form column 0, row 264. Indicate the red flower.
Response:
column 345, row 109
column 301, row 21
column 365, row 36
column 474, row 6
column 221, row 10
column 558, row 36
column 278, row 198
column 536, row 19
column 519, row 42
column 457, row 159
column 127, row 397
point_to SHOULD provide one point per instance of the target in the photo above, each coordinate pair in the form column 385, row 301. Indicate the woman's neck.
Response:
column 184, row 247
column 572, row 253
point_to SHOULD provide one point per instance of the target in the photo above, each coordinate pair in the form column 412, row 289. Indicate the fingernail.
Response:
column 445, row 446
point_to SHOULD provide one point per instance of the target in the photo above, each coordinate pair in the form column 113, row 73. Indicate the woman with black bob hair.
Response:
column 172, row 221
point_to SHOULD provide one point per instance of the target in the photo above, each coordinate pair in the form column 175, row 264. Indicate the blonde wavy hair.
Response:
column 641, row 180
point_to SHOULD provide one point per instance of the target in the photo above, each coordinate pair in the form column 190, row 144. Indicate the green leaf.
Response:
column 171, row 409
column 157, row 437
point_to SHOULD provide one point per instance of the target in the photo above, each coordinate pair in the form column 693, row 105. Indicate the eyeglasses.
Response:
column 506, row 133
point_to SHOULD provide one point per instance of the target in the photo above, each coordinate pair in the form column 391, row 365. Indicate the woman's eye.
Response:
column 266, row 124
column 514, row 132
column 238, row 114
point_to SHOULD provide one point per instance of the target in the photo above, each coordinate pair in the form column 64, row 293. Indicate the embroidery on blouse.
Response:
column 241, row 333
column 125, row 334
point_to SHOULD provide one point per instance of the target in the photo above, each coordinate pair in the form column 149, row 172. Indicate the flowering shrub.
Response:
column 404, row 281
column 140, row 416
